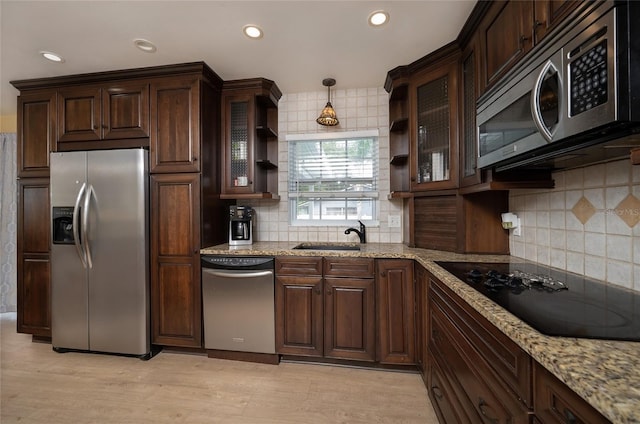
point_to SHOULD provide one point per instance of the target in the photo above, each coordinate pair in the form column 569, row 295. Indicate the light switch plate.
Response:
column 394, row 221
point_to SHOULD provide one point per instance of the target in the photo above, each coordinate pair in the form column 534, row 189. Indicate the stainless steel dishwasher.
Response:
column 238, row 303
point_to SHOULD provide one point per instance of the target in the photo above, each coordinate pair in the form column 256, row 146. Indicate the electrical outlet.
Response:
column 394, row 221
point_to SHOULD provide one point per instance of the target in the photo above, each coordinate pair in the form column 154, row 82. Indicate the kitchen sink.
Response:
column 327, row 246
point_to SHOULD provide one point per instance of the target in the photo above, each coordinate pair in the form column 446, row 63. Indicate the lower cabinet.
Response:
column 474, row 370
column 33, row 257
column 323, row 309
column 555, row 403
column 396, row 311
column 422, row 319
column 175, row 260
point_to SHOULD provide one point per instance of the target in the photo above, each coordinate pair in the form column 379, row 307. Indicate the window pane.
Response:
column 333, row 168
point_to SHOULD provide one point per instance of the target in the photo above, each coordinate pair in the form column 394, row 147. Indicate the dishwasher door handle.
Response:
column 237, row 274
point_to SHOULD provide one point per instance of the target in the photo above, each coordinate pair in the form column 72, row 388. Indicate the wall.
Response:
column 588, row 224
column 357, row 109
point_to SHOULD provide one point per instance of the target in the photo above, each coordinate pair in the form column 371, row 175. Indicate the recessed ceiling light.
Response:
column 252, row 31
column 54, row 57
column 378, row 18
column 145, row 45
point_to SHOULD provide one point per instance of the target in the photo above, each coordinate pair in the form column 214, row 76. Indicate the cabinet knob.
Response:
column 383, row 274
column 523, row 39
column 95, row 127
column 537, row 23
column 570, row 418
column 436, row 392
column 329, row 292
column 484, row 409
column 318, row 291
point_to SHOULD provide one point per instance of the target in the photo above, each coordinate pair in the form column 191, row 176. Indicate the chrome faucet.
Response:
column 362, row 233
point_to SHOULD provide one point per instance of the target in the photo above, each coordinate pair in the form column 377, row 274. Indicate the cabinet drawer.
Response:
column 509, row 362
column 447, row 405
column 556, row 403
column 288, row 265
column 491, row 403
column 349, row 267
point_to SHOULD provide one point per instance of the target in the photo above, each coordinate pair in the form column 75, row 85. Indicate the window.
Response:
column 333, row 178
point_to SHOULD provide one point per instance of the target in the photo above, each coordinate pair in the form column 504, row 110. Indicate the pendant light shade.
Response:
column 328, row 116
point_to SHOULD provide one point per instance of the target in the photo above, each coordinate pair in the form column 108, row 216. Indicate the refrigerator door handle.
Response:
column 85, row 225
column 76, row 233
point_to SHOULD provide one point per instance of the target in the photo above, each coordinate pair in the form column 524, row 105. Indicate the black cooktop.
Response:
column 555, row 302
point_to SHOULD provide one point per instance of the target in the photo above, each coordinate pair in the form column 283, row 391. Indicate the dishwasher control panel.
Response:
column 237, row 262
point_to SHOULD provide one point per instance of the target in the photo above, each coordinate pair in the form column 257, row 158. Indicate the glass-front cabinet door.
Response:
column 239, row 139
column 434, row 138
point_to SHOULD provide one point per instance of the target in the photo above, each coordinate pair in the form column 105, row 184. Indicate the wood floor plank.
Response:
column 38, row 385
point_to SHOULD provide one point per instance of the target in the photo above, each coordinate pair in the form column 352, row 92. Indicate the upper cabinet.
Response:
column 434, row 126
column 36, row 132
column 103, row 112
column 250, row 139
column 511, row 28
column 175, row 119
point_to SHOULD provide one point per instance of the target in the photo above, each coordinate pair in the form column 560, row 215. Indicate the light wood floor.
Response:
column 40, row 386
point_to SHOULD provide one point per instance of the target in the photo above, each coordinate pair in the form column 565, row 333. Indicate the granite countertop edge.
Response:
column 605, row 373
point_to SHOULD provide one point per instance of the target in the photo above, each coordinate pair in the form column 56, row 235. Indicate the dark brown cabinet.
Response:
column 175, row 122
column 487, row 375
column 115, row 111
column 173, row 110
column 434, row 125
column 555, row 403
column 330, row 314
column 36, row 132
column 175, row 267
column 250, row 139
column 33, row 259
column 396, row 311
column 299, row 306
column 511, row 28
column 422, row 319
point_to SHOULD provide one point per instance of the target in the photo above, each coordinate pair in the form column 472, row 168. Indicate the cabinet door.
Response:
column 34, row 282
column 175, row 261
column 125, row 111
column 555, row 403
column 422, row 282
column 396, row 306
column 79, row 114
column 548, row 14
column 349, row 318
column 175, row 124
column 434, row 134
column 469, row 92
column 506, row 33
column 299, row 315
column 36, row 133
column 239, row 137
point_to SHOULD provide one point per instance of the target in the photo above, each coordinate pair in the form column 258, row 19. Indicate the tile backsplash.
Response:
column 357, row 109
column 588, row 224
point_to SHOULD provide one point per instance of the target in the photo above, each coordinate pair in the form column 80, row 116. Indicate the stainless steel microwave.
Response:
column 578, row 91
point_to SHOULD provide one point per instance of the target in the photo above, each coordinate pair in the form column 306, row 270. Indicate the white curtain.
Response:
column 8, row 228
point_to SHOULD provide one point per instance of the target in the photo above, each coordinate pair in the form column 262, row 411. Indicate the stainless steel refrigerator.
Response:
column 99, row 252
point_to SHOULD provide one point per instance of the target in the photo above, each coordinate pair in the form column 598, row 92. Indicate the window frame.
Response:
column 372, row 195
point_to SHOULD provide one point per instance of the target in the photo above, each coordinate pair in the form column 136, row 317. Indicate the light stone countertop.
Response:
column 605, row 373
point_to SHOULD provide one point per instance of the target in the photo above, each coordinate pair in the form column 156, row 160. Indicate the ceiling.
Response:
column 304, row 41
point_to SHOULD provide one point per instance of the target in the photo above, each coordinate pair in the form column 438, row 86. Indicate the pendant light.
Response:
column 328, row 116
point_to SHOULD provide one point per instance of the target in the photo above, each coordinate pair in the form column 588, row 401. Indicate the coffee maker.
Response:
column 240, row 225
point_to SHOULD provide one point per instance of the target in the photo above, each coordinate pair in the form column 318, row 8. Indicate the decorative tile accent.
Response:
column 583, row 210
column 628, row 210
